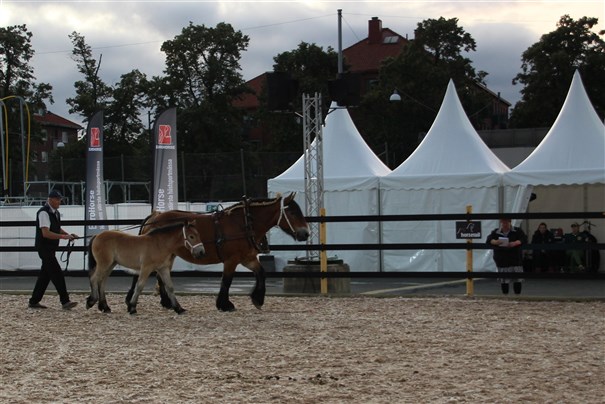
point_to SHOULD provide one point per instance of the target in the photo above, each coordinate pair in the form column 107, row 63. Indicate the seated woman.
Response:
column 542, row 258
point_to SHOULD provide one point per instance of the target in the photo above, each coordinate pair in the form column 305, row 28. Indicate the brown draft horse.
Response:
column 234, row 236
column 154, row 251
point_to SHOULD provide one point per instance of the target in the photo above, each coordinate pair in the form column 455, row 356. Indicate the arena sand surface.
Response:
column 305, row 350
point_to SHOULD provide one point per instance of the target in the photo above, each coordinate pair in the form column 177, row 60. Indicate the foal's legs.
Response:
column 97, row 288
column 143, row 275
column 102, row 281
column 94, row 288
column 164, row 299
column 164, row 275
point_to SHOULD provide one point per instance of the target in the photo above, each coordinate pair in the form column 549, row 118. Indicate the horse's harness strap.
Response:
column 282, row 214
column 249, row 235
column 219, row 238
column 263, row 246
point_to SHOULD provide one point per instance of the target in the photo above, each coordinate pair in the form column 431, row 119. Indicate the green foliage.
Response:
column 121, row 103
column 444, row 39
column 312, row 67
column 17, row 83
column 202, row 78
column 547, row 70
column 123, row 113
column 92, row 94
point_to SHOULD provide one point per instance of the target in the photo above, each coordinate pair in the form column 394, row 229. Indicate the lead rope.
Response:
column 70, row 244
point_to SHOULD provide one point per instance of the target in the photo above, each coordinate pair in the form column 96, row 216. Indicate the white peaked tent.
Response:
column 573, row 150
column 351, row 172
column 451, row 169
column 567, row 169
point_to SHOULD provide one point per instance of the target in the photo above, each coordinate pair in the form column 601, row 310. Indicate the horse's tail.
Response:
column 92, row 262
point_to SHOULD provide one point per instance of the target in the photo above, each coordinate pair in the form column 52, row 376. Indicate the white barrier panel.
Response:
column 25, row 236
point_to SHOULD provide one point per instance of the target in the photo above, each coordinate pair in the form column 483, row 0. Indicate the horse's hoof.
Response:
column 257, row 305
column 180, row 310
column 89, row 303
column 258, row 301
column 225, row 306
column 106, row 310
column 132, row 311
column 166, row 305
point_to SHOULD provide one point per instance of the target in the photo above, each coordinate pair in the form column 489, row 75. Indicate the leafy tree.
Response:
column 312, row 67
column 92, row 94
column 17, row 79
column 420, row 74
column 124, row 111
column 548, row 66
column 121, row 103
column 202, row 78
column 16, row 74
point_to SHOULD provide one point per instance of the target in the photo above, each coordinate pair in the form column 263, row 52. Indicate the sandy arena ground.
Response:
column 305, row 350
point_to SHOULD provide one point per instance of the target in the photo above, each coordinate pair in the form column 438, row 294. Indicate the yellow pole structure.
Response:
column 25, row 152
column 469, row 260
column 323, row 254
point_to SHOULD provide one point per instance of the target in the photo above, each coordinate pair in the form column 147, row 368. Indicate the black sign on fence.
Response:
column 469, row 229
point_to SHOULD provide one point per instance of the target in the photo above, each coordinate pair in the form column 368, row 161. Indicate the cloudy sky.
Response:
column 129, row 34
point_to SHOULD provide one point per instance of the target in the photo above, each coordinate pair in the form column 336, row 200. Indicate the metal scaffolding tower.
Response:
column 313, row 159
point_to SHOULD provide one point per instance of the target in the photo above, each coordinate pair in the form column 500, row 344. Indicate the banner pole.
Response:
column 469, row 260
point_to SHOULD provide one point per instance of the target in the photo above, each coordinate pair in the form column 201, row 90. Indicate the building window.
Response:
column 34, row 156
column 44, row 135
column 64, row 137
column 44, row 157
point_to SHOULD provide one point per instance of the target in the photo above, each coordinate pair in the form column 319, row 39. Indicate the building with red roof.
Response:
column 56, row 132
column 364, row 58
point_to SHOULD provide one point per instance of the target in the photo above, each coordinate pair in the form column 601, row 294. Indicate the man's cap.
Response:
column 55, row 194
column 575, row 224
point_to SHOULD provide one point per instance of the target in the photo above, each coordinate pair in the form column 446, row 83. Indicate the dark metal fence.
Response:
column 202, row 176
column 462, row 245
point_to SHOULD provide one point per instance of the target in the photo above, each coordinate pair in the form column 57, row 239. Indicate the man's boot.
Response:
column 517, row 287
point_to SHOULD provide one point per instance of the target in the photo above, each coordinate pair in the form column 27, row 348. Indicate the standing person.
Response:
column 506, row 241
column 542, row 258
column 48, row 234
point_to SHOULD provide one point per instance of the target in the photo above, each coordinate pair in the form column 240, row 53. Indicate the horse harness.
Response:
column 261, row 246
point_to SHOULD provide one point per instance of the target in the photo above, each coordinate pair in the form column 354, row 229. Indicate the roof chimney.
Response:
column 375, row 30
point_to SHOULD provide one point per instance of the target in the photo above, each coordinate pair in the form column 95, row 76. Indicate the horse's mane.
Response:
column 251, row 203
column 166, row 229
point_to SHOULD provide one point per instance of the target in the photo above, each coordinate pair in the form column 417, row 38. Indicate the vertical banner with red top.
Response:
column 165, row 170
column 95, row 187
